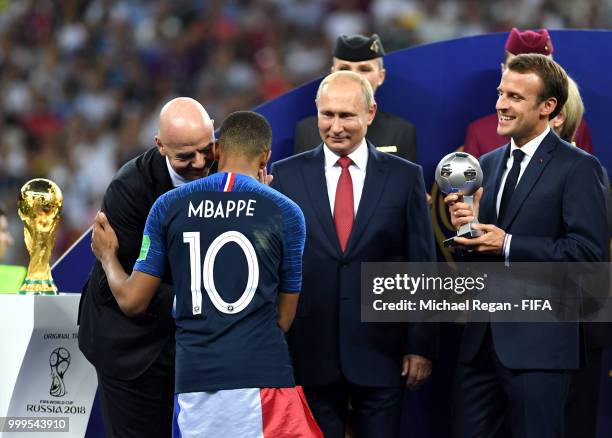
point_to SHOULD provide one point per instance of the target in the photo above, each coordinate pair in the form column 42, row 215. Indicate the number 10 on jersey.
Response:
column 204, row 273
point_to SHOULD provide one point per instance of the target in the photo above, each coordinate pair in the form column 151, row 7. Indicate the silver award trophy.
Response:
column 460, row 172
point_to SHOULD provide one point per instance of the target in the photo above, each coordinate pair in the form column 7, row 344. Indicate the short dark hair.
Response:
column 2, row 209
column 246, row 133
column 553, row 76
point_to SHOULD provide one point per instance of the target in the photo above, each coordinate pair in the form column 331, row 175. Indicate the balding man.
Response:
column 360, row 205
column 134, row 357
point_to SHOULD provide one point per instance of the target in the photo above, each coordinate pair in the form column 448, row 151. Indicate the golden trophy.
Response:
column 40, row 203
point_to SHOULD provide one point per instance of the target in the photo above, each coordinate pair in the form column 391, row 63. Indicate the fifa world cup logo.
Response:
column 59, row 361
column 40, row 202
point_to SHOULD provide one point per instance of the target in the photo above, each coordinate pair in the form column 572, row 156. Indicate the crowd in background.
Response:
column 82, row 81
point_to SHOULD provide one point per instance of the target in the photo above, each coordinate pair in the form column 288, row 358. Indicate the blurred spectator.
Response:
column 6, row 239
column 82, row 81
column 11, row 277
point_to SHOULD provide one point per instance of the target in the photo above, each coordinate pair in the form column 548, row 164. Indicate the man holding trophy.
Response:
column 541, row 200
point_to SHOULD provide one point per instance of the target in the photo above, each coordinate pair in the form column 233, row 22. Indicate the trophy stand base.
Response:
column 47, row 292
column 38, row 287
column 470, row 234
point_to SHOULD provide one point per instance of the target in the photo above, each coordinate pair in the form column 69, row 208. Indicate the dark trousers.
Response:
column 492, row 401
column 139, row 408
column 581, row 408
column 375, row 412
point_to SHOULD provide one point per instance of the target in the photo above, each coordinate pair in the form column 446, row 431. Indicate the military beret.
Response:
column 357, row 48
column 529, row 41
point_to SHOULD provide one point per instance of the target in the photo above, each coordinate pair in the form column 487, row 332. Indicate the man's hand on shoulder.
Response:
column 133, row 293
column 104, row 243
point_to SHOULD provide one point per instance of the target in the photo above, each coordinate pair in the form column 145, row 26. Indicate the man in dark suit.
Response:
column 542, row 201
column 388, row 132
column 134, row 357
column 360, row 205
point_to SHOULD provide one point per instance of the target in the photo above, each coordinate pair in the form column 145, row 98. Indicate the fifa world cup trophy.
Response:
column 40, row 203
column 460, row 172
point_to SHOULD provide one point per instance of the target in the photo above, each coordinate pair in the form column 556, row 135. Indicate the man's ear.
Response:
column 382, row 74
column 265, row 157
column 548, row 106
column 372, row 113
column 160, row 146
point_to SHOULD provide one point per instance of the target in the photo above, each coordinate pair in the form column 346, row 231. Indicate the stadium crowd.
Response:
column 82, row 81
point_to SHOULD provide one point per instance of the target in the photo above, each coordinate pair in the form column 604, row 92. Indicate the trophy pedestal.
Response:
column 464, row 231
column 43, row 374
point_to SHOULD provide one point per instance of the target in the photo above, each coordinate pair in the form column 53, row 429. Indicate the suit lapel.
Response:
column 489, row 201
column 161, row 177
column 374, row 183
column 500, row 167
column 532, row 173
column 313, row 173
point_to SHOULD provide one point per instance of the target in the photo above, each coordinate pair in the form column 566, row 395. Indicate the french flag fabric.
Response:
column 245, row 413
column 228, row 181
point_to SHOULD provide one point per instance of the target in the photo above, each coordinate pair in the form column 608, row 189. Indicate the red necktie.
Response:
column 343, row 204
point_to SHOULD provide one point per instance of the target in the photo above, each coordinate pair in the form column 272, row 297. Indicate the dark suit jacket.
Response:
column 116, row 345
column 327, row 338
column 599, row 334
column 386, row 130
column 557, row 214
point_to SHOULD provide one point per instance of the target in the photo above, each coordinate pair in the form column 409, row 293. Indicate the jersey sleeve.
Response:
column 152, row 258
column 294, row 237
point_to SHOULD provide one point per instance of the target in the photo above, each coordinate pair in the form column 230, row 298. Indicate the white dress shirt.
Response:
column 529, row 149
column 177, row 180
column 357, row 170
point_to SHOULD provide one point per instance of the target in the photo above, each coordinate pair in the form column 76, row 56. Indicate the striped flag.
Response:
column 245, row 413
column 228, row 181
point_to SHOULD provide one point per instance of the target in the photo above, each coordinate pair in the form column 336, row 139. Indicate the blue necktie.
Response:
column 511, row 181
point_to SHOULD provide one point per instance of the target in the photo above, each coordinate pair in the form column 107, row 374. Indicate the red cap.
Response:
column 529, row 41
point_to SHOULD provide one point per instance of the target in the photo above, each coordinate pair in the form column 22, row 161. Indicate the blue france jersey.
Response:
column 232, row 245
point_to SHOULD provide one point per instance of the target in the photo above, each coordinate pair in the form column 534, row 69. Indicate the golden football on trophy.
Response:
column 40, row 203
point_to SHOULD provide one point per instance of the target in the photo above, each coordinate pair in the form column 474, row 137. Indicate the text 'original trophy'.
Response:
column 40, row 203
column 460, row 172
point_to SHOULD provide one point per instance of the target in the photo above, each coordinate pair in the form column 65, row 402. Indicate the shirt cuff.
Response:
column 506, row 249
